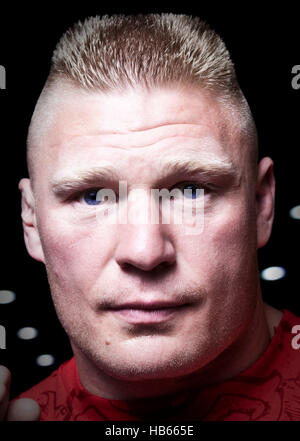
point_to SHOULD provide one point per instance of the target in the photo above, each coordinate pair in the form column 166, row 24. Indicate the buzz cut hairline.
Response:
column 109, row 53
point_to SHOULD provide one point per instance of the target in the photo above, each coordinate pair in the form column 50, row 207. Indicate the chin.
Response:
column 143, row 365
column 143, row 357
column 135, row 372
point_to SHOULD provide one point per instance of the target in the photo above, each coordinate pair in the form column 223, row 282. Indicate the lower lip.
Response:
column 147, row 316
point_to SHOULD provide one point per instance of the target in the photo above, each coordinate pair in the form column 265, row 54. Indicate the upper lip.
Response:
column 148, row 305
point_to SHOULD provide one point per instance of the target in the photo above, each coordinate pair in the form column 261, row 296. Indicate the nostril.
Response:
column 162, row 266
column 154, row 271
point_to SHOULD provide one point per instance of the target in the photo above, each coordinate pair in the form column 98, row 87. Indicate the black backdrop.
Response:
column 264, row 44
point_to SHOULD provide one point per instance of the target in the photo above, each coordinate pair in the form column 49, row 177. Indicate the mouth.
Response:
column 147, row 313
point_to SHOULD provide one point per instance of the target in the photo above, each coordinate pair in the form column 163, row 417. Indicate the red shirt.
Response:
column 269, row 390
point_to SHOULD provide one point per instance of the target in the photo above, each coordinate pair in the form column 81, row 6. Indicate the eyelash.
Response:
column 79, row 195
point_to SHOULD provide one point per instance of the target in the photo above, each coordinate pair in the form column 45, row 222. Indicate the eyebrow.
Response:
column 210, row 166
column 83, row 178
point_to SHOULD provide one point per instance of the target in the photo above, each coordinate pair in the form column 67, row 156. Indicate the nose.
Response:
column 144, row 247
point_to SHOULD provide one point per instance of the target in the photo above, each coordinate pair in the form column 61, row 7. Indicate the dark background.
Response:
column 264, row 44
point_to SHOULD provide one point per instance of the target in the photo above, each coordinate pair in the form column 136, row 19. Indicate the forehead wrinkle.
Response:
column 135, row 138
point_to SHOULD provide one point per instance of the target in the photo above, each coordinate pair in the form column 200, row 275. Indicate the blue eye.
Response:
column 192, row 194
column 90, row 197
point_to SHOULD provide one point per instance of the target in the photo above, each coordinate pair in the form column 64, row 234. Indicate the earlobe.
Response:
column 31, row 233
column 265, row 200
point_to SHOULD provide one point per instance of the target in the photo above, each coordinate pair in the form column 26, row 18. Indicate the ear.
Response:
column 31, row 233
column 265, row 201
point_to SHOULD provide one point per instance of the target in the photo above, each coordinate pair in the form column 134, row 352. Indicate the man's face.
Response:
column 147, row 300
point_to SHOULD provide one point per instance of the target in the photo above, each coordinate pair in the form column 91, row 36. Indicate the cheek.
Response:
column 225, row 252
column 234, row 250
column 232, row 227
column 224, row 262
column 74, row 253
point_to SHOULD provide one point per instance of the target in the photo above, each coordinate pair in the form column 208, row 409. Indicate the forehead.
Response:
column 137, row 123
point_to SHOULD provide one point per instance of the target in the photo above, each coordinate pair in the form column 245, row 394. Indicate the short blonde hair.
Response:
column 109, row 52
column 120, row 51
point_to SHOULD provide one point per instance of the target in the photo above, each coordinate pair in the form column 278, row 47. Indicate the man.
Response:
column 166, row 319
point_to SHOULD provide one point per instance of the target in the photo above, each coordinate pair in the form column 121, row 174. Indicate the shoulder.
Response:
column 52, row 392
column 288, row 344
column 285, row 326
column 284, row 321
